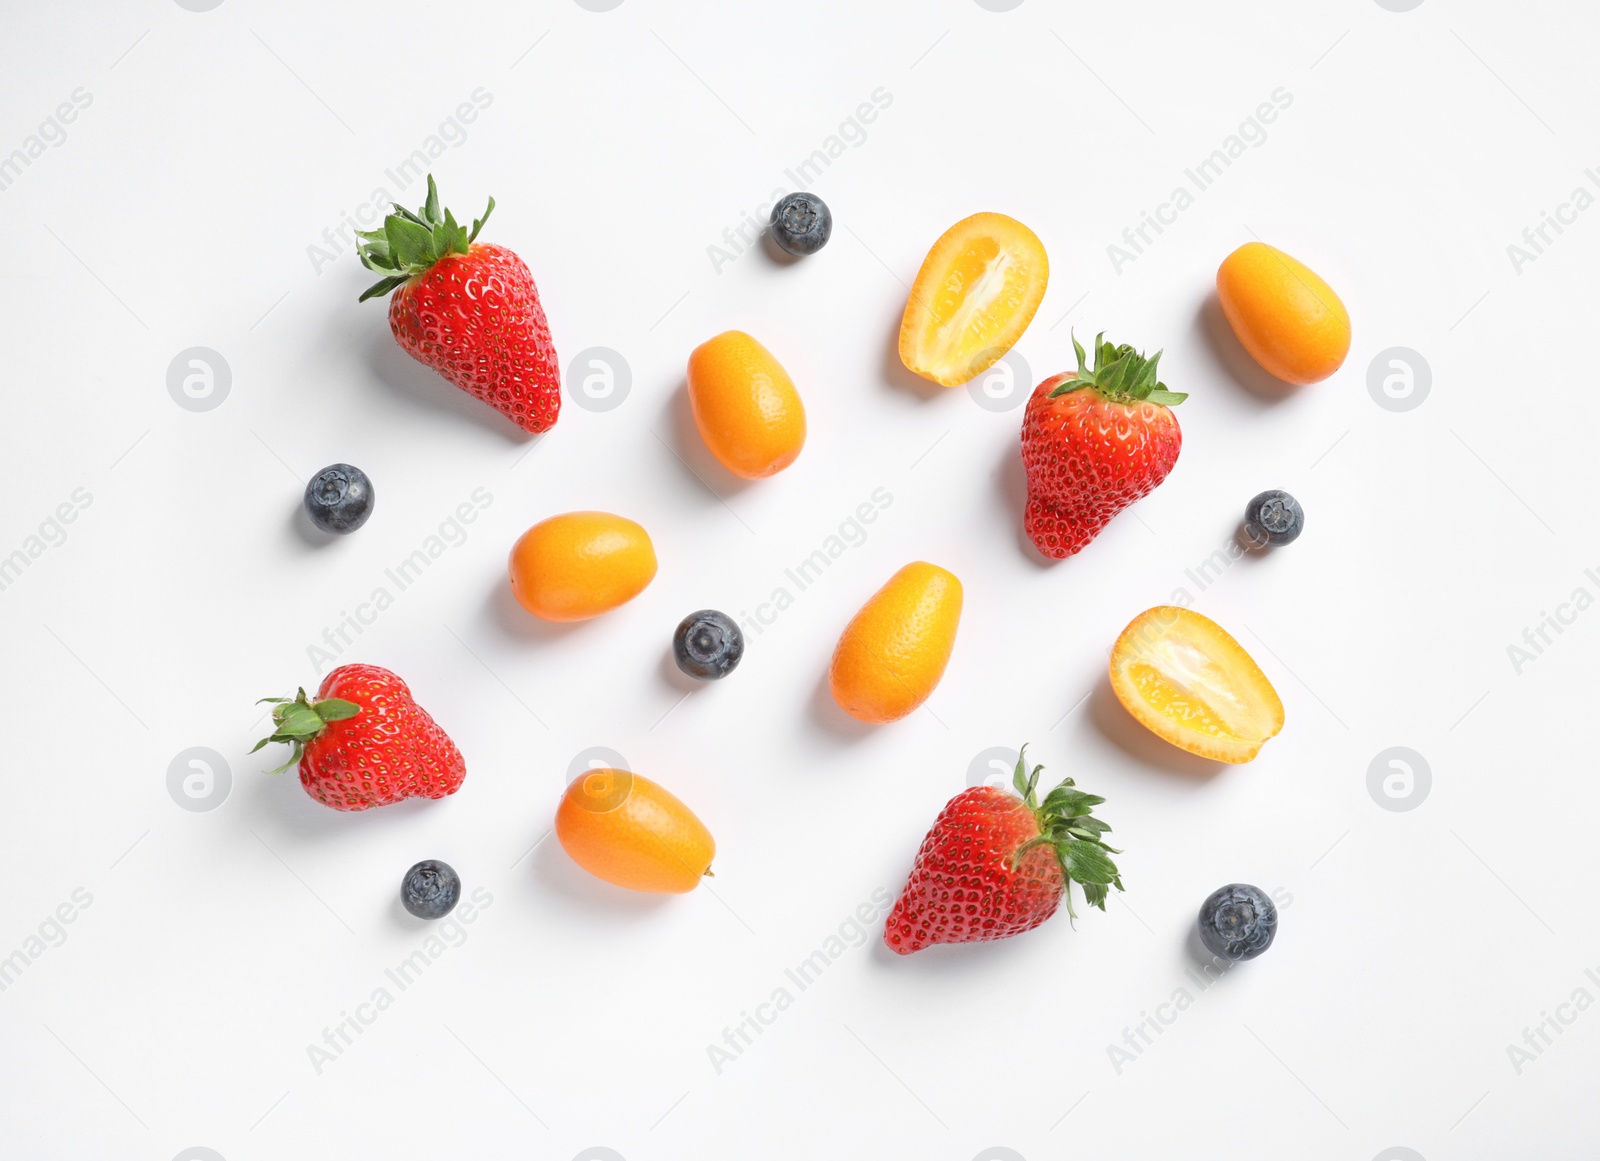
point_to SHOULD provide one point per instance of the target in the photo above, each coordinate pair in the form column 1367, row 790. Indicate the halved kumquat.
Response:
column 1187, row 681
column 976, row 293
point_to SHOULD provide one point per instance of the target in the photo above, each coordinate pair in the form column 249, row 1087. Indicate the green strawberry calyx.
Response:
column 411, row 243
column 1121, row 374
column 298, row 720
column 1067, row 827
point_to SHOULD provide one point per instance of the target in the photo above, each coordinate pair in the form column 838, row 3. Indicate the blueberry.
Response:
column 1238, row 921
column 801, row 223
column 431, row 889
column 339, row 498
column 707, row 644
column 1273, row 519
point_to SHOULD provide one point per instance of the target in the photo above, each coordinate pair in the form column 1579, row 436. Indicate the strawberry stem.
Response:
column 298, row 720
column 409, row 244
column 1121, row 374
column 1068, row 826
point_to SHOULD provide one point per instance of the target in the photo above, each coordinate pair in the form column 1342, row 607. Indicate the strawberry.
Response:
column 364, row 742
column 1093, row 442
column 996, row 864
column 468, row 309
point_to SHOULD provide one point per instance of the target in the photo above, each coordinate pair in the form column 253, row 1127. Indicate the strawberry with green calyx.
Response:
column 364, row 741
column 996, row 864
column 298, row 720
column 1094, row 441
column 468, row 309
column 411, row 243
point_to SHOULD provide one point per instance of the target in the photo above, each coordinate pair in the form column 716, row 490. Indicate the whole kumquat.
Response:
column 1290, row 321
column 623, row 828
column 745, row 406
column 580, row 564
column 894, row 651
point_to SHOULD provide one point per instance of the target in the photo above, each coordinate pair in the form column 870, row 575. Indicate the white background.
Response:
column 178, row 211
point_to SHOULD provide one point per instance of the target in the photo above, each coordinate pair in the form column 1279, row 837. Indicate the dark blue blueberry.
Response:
column 431, row 889
column 801, row 223
column 1273, row 519
column 1238, row 921
column 339, row 498
column 707, row 644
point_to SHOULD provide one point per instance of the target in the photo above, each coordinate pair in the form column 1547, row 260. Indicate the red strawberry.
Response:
column 467, row 309
column 364, row 742
column 996, row 865
column 1093, row 442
